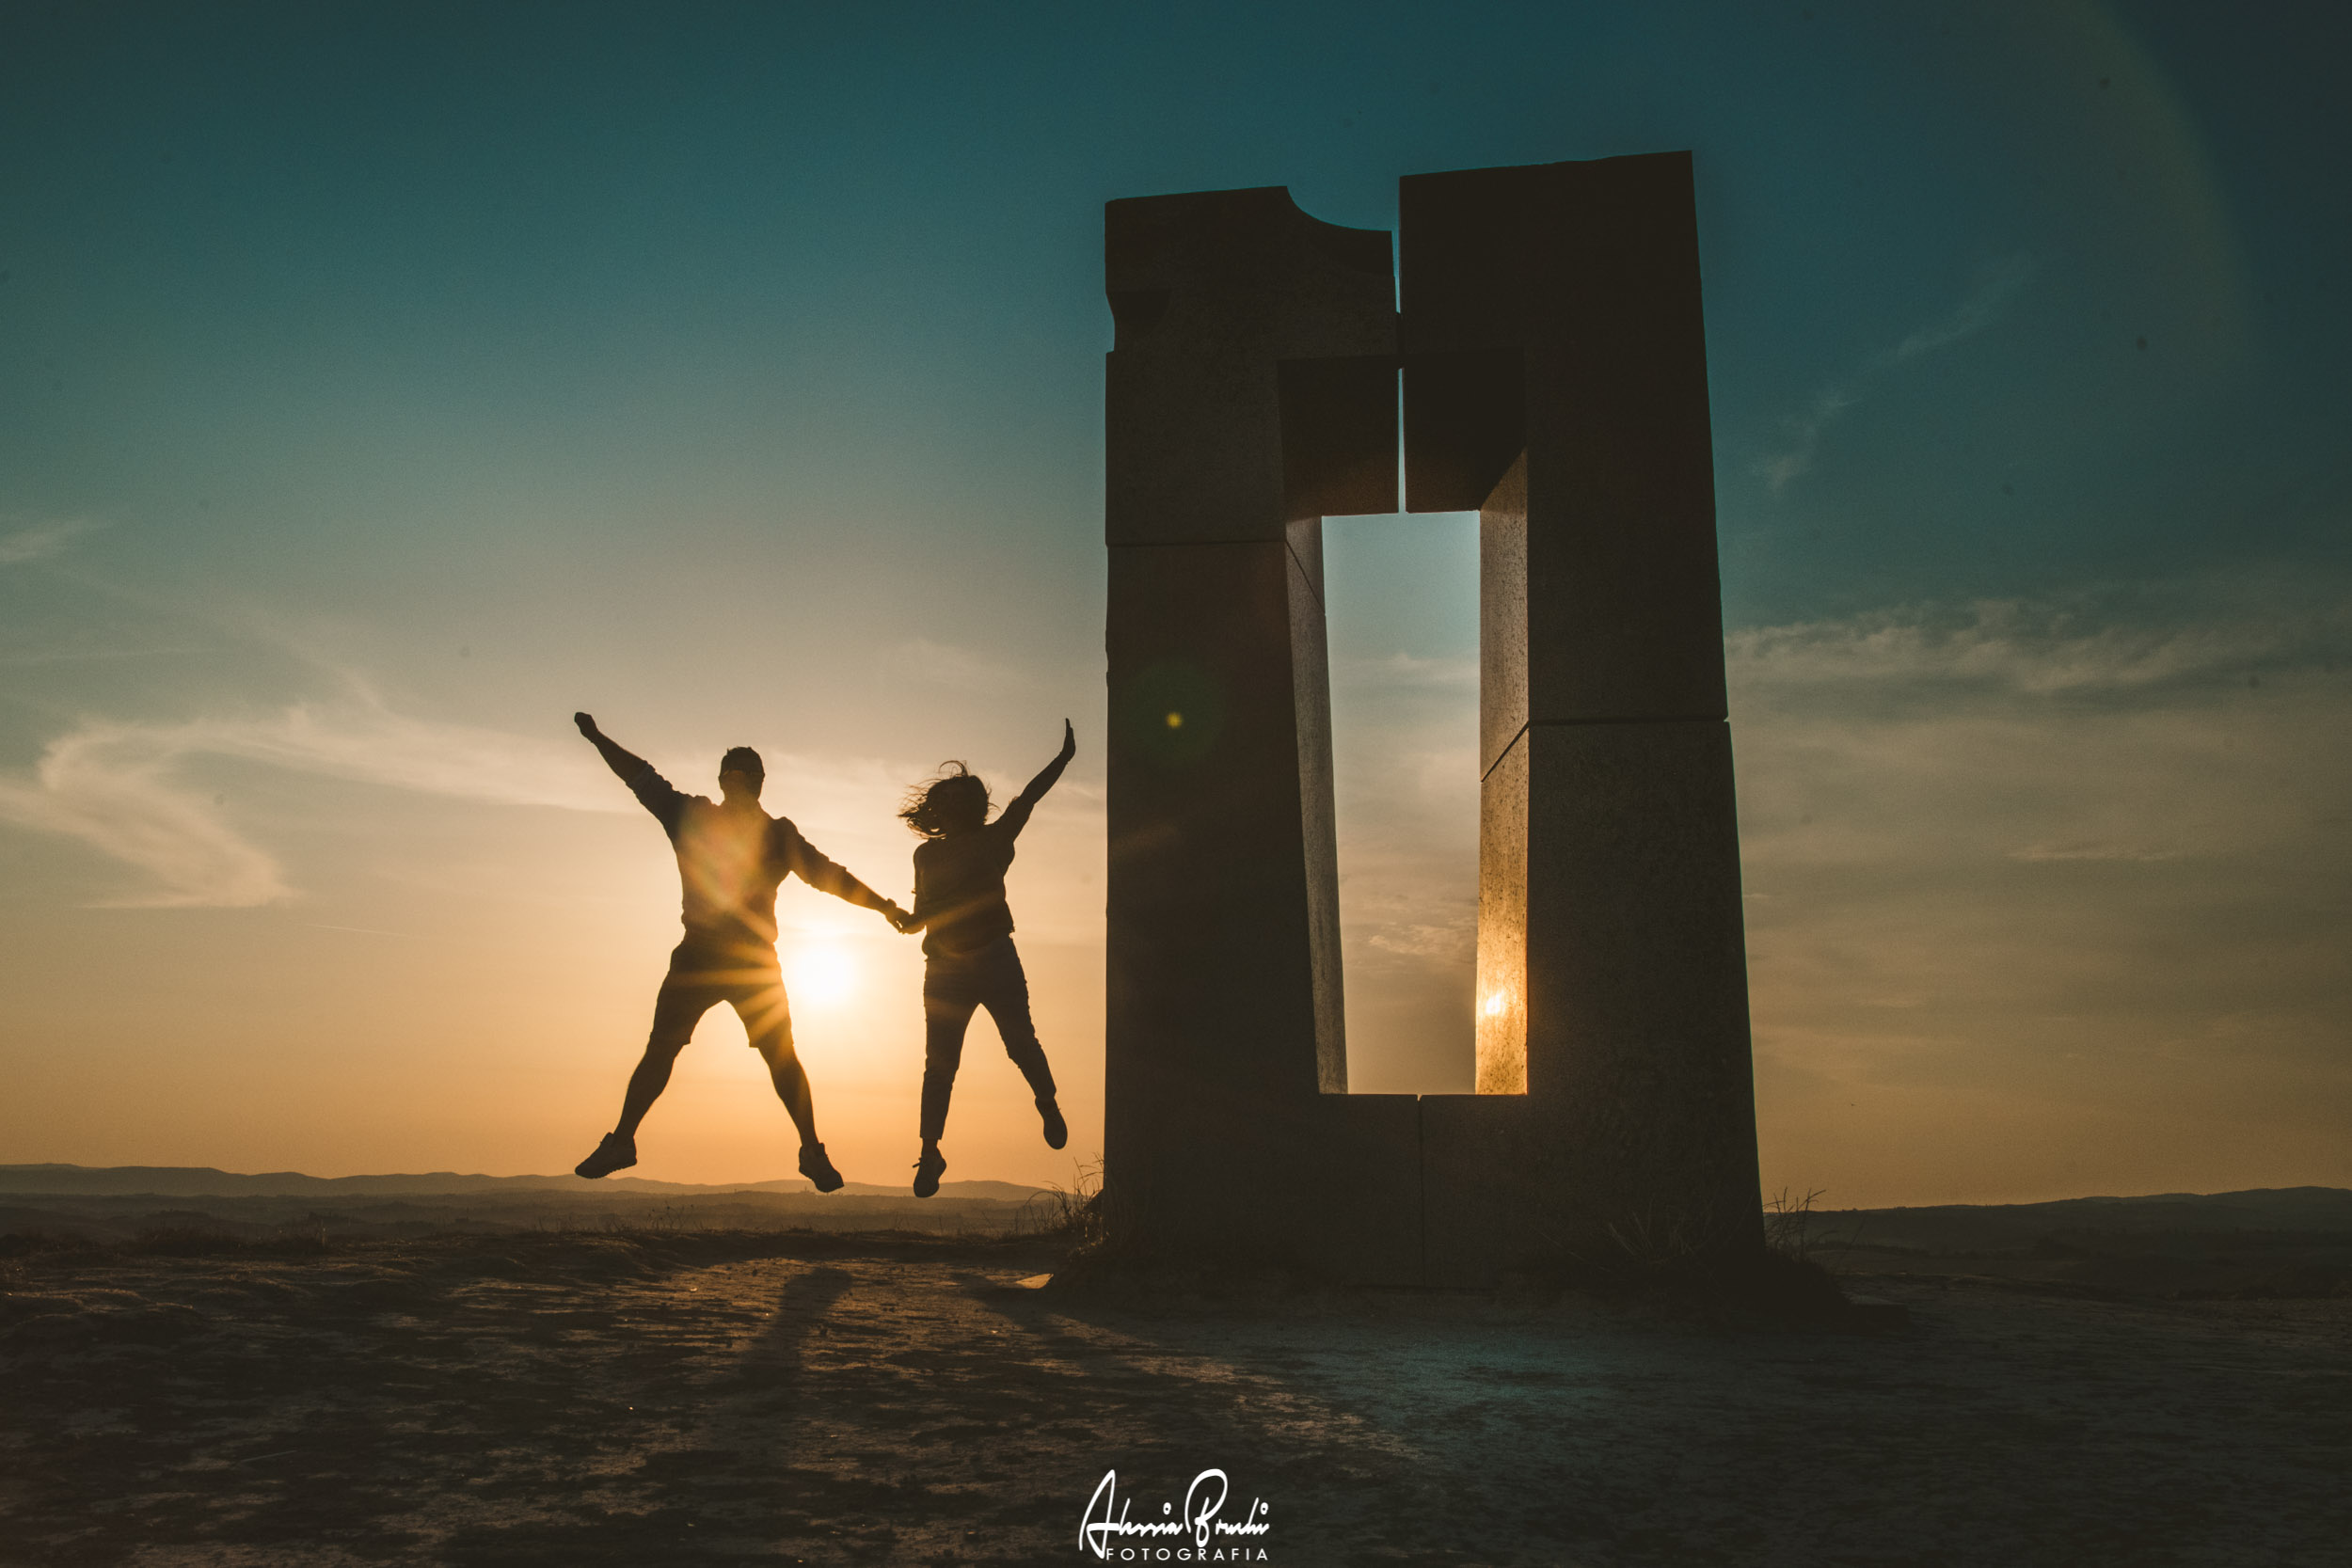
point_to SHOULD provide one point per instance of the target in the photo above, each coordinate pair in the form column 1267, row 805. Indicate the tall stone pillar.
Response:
column 1251, row 391
column 1555, row 379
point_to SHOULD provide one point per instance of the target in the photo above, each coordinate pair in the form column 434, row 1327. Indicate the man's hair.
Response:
column 956, row 796
column 742, row 759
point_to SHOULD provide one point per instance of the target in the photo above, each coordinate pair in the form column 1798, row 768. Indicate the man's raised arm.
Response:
column 652, row 790
column 626, row 764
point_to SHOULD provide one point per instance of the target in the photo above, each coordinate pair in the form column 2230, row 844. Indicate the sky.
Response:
column 380, row 383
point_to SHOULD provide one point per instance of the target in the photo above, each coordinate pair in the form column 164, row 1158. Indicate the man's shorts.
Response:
column 745, row 975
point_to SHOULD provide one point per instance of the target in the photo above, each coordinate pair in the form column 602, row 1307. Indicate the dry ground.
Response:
column 686, row 1399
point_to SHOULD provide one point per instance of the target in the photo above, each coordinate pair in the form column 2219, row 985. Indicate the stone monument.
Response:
column 1554, row 379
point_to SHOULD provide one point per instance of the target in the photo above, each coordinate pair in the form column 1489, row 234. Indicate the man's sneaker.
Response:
column 1056, row 1129
column 615, row 1153
column 927, row 1172
column 818, row 1168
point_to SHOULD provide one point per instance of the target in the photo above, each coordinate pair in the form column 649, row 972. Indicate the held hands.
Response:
column 899, row 920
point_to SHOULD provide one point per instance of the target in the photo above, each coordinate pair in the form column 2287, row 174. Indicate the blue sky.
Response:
column 382, row 383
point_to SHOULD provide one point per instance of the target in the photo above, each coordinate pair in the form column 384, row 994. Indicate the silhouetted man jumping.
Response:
column 731, row 858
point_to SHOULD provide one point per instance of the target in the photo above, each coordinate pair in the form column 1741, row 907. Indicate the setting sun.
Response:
column 821, row 977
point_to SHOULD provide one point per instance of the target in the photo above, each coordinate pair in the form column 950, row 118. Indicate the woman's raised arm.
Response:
column 1017, row 814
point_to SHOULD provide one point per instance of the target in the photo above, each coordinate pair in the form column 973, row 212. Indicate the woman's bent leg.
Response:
column 1007, row 998
column 947, row 1013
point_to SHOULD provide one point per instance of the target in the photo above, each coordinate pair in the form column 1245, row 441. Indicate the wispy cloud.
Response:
column 943, row 665
column 111, row 788
column 1403, row 671
column 2093, row 851
column 2105, row 727
column 1996, row 287
column 120, row 788
column 1453, row 942
column 40, row 541
column 2121, row 638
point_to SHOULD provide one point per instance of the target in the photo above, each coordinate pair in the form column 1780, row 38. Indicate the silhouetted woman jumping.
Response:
column 967, row 941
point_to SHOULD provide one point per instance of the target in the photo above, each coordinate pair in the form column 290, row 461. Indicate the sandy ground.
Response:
column 795, row 1398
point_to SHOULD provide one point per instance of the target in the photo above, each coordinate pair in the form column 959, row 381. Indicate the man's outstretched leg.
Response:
column 768, row 1022
column 675, row 1011
column 618, row 1152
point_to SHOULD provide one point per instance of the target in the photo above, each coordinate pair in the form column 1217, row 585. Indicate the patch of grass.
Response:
column 1071, row 1214
column 1791, row 1232
column 1788, row 1224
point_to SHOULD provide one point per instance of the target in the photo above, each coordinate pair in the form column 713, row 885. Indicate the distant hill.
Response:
column 1960, row 1228
column 2256, row 1206
column 204, row 1181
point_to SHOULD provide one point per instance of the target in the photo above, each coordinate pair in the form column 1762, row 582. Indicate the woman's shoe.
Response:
column 1056, row 1129
column 927, row 1172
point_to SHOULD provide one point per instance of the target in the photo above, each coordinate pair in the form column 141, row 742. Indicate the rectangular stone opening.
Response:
column 1402, row 612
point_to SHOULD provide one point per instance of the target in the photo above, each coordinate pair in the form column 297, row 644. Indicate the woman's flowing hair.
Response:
column 956, row 796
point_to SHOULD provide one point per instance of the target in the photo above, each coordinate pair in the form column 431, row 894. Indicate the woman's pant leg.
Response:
column 1007, row 997
column 947, row 1013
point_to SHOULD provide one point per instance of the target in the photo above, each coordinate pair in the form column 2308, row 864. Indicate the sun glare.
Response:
column 821, row 977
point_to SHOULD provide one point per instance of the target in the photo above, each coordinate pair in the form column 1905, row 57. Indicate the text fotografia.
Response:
column 1105, row 1530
